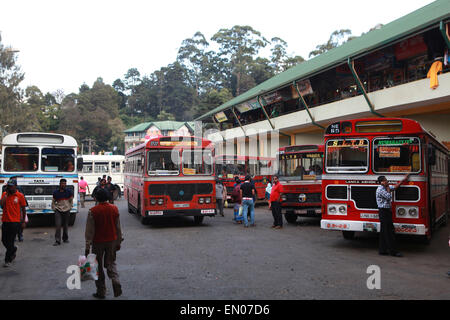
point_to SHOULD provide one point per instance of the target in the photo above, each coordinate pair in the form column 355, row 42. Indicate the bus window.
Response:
column 115, row 166
column 264, row 167
column 396, row 155
column 101, row 167
column 253, row 166
column 163, row 162
column 57, row 160
column 87, row 167
column 312, row 162
column 195, row 162
column 347, row 155
column 21, row 159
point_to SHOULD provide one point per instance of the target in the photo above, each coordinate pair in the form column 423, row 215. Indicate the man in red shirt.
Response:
column 104, row 233
column 13, row 204
column 275, row 203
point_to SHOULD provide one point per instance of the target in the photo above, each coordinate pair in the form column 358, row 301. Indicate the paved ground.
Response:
column 175, row 259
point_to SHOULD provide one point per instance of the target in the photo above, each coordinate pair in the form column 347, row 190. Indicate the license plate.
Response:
column 371, row 227
column 155, row 213
column 301, row 211
column 37, row 205
column 181, row 205
column 208, row 211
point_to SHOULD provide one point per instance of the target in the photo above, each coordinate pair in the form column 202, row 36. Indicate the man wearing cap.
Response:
column 384, row 203
column 13, row 204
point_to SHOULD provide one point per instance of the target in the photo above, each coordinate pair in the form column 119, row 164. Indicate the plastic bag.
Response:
column 88, row 267
column 240, row 211
column 225, row 204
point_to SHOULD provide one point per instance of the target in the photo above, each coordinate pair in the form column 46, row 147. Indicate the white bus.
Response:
column 96, row 166
column 39, row 161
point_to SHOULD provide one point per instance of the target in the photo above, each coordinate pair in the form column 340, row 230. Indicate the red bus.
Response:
column 227, row 167
column 171, row 176
column 358, row 151
column 300, row 173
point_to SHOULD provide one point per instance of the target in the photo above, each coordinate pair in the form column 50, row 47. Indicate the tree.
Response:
column 10, row 92
column 337, row 38
column 239, row 45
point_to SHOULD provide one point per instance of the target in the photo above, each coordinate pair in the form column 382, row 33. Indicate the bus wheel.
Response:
column 348, row 235
column 72, row 218
column 198, row 220
column 290, row 217
column 130, row 209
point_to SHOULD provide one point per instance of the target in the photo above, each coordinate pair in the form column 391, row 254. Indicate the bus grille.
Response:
column 180, row 192
column 364, row 197
column 42, row 190
column 407, row 194
column 310, row 197
column 337, row 192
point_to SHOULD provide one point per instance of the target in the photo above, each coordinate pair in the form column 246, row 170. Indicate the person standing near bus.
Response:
column 275, row 203
column 83, row 185
column 62, row 203
column 384, row 202
column 236, row 198
column 19, row 189
column 13, row 204
column 248, row 205
column 220, row 196
column 104, row 234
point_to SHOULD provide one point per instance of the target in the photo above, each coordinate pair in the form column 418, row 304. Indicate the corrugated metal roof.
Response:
column 161, row 125
column 391, row 32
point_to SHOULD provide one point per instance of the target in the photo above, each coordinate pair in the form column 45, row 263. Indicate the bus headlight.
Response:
column 283, row 197
column 160, row 201
column 332, row 209
column 153, row 201
column 412, row 212
column 401, row 211
column 201, row 200
column 208, row 200
column 343, row 209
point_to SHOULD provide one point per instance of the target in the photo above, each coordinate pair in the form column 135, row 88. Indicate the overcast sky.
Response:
column 65, row 43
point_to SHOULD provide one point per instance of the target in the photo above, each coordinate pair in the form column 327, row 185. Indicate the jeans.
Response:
column 220, row 206
column 62, row 220
column 9, row 233
column 248, row 205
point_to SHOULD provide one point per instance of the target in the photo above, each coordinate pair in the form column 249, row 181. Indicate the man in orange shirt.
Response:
column 13, row 204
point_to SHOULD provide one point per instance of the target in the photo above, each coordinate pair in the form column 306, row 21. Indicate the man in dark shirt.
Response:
column 247, row 194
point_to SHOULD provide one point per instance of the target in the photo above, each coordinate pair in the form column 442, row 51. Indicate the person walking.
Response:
column 220, row 196
column 247, row 195
column 13, row 204
column 82, row 186
column 62, row 203
column 97, row 188
column 111, row 188
column 275, row 203
column 237, row 200
column 384, row 191
column 19, row 189
column 104, row 235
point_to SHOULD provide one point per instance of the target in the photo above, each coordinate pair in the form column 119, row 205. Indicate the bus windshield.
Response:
column 300, row 166
column 197, row 162
column 19, row 159
column 396, row 155
column 58, row 160
column 163, row 162
column 230, row 168
column 347, row 155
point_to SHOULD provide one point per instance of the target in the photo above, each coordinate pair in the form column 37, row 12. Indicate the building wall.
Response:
column 438, row 124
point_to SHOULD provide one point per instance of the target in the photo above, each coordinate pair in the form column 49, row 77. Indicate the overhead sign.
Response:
column 221, row 117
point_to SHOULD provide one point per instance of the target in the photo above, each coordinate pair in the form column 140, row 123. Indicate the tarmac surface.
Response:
column 174, row 259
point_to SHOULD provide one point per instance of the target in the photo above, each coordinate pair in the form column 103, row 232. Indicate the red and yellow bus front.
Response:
column 357, row 152
column 300, row 173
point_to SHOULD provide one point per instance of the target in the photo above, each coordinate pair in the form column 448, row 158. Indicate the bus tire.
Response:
column 72, row 218
column 348, row 235
column 198, row 220
column 290, row 217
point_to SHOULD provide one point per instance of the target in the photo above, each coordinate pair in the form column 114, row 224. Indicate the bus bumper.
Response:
column 181, row 213
column 346, row 225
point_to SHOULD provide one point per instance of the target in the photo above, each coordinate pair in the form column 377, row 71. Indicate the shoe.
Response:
column 7, row 264
column 57, row 243
column 277, row 227
column 117, row 289
column 66, row 241
column 273, row 227
column 98, row 296
column 397, row 254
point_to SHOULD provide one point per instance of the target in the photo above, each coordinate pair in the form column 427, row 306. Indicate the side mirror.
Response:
column 80, row 163
column 431, row 155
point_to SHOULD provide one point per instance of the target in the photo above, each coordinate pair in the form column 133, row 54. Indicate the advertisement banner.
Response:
column 221, row 117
